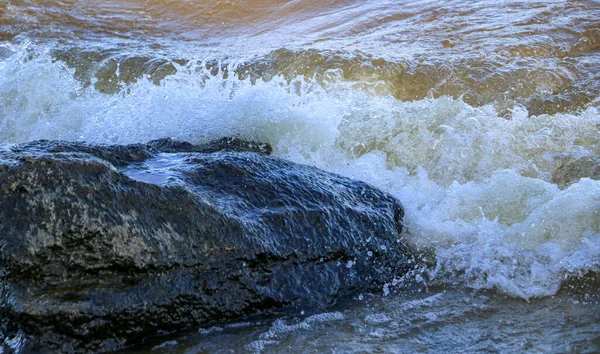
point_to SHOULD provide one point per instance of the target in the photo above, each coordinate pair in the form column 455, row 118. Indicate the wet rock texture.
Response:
column 93, row 260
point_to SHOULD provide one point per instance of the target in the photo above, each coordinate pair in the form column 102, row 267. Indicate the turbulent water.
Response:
column 482, row 117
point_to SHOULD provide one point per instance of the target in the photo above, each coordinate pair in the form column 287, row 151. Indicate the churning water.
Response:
column 482, row 117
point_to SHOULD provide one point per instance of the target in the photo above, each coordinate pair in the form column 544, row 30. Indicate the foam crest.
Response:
column 42, row 100
column 535, row 236
column 38, row 98
column 453, row 141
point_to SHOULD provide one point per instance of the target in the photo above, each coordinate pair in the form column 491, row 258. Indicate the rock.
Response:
column 94, row 258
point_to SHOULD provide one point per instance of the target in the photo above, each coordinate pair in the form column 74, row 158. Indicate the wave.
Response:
column 488, row 199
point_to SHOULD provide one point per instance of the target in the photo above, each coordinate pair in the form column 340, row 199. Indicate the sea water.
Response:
column 481, row 117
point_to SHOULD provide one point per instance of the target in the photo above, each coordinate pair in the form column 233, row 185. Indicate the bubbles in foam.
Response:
column 37, row 97
column 456, row 142
column 570, row 214
column 535, row 236
column 279, row 329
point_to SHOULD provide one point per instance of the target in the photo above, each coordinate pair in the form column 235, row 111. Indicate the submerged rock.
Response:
column 105, row 246
column 570, row 170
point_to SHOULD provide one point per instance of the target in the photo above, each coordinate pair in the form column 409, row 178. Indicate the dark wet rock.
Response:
column 94, row 259
column 124, row 154
column 224, row 144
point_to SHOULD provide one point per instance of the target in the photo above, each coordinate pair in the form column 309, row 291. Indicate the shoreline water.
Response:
column 410, row 320
column 483, row 119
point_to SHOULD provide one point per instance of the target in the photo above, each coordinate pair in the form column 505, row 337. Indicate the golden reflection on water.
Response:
column 524, row 28
column 543, row 55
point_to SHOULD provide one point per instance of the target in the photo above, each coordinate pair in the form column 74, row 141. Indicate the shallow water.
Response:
column 432, row 321
column 481, row 117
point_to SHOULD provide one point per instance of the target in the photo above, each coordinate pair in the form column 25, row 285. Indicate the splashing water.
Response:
column 482, row 118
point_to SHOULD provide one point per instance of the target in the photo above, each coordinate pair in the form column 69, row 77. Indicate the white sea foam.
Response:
column 279, row 327
column 477, row 187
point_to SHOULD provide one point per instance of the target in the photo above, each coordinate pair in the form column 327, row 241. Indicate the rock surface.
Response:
column 105, row 246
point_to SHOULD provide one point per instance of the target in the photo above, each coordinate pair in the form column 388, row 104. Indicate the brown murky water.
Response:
column 481, row 117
